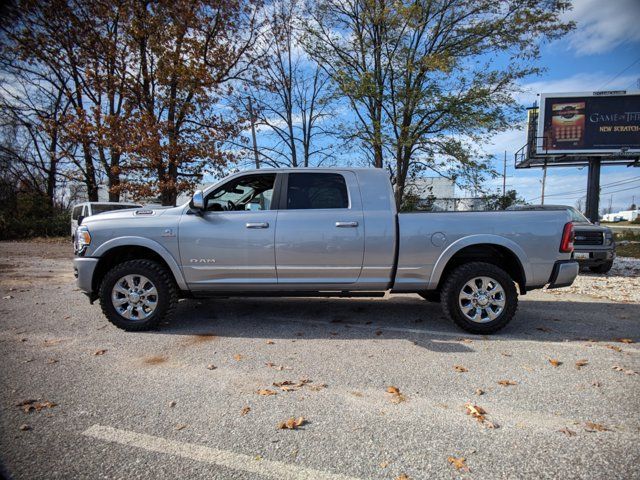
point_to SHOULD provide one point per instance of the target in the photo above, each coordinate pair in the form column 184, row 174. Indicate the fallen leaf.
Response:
column 270, row 342
column 384, row 464
column 555, row 363
column 625, row 340
column 567, row 432
column 475, row 411
column 581, row 363
column 266, row 392
column 627, row 371
column 506, row 383
column 544, row 329
column 402, row 476
column 100, row 352
column 317, row 387
column 211, row 366
column 291, row 423
column 28, row 405
column 237, row 357
column 479, row 391
column 460, row 369
column 595, row 427
column 506, row 354
column 464, row 340
column 396, row 396
column 181, row 426
column 459, row 463
column 172, row 404
column 51, row 361
column 244, row 411
column 613, row 347
column 378, row 332
column 25, row 427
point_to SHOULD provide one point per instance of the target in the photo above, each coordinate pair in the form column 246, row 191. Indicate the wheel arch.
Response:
column 131, row 248
column 494, row 249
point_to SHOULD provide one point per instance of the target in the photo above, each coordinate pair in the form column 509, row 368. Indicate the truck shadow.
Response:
column 407, row 318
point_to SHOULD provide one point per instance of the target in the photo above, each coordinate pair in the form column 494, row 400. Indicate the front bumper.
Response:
column 588, row 258
column 564, row 273
column 83, row 270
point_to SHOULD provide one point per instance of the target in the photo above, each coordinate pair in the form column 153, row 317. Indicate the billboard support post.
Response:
column 593, row 190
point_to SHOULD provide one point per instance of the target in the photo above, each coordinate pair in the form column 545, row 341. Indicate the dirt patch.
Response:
column 199, row 339
column 154, row 360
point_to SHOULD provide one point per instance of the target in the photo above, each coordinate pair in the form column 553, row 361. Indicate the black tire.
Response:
column 167, row 294
column 602, row 268
column 430, row 296
column 454, row 284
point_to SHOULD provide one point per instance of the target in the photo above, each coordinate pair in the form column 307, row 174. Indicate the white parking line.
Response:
column 224, row 458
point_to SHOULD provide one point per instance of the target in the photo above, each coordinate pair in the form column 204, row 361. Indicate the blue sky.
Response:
column 603, row 52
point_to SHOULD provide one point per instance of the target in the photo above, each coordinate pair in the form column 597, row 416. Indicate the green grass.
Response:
column 628, row 250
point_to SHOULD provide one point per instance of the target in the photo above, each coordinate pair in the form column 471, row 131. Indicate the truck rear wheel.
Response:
column 479, row 297
column 137, row 295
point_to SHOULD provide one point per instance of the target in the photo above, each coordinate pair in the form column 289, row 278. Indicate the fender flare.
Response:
column 151, row 245
column 487, row 239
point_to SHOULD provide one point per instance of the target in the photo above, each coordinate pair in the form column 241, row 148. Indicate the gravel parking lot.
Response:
column 82, row 399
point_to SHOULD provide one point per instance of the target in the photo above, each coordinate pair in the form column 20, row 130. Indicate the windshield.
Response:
column 576, row 216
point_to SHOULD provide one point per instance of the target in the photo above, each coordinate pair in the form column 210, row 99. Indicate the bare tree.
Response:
column 290, row 93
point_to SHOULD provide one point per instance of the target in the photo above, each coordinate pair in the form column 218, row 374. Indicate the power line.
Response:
column 584, row 190
column 621, row 72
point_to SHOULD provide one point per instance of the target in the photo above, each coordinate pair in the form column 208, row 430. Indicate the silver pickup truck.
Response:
column 318, row 232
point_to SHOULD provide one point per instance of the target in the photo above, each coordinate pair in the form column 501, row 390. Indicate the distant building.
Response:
column 625, row 215
column 438, row 187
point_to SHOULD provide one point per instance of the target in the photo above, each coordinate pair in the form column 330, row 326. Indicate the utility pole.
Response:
column 610, row 204
column 544, row 181
column 253, row 133
column 504, row 175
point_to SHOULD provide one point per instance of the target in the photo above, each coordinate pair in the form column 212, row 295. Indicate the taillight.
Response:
column 566, row 246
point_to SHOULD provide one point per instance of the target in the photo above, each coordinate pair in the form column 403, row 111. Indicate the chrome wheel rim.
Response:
column 134, row 297
column 482, row 299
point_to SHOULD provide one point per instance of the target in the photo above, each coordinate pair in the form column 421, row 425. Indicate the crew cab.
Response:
column 318, row 232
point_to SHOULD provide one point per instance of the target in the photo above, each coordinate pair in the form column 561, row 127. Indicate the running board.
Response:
column 326, row 294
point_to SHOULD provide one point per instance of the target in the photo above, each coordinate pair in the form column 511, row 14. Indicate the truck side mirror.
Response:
column 197, row 201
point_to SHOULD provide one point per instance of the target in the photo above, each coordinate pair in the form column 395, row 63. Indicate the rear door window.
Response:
column 316, row 191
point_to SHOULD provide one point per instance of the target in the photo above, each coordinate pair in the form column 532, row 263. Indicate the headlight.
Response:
column 608, row 238
column 83, row 239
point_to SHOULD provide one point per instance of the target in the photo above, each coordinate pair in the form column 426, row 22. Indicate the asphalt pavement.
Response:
column 81, row 399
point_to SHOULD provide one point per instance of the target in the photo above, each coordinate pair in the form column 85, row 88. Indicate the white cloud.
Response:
column 602, row 25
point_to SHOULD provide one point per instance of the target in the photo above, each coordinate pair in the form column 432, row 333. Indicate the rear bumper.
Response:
column 564, row 273
column 83, row 270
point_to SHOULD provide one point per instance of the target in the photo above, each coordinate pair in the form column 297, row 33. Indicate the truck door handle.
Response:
column 257, row 225
column 346, row 224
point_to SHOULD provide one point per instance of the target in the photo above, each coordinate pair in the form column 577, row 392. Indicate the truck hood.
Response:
column 128, row 214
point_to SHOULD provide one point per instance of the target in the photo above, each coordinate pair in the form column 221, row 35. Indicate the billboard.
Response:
column 589, row 123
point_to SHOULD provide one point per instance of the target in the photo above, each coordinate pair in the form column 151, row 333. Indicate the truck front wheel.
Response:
column 137, row 295
column 479, row 297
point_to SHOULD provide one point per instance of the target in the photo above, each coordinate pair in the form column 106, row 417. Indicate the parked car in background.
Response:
column 318, row 232
column 87, row 209
column 593, row 247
